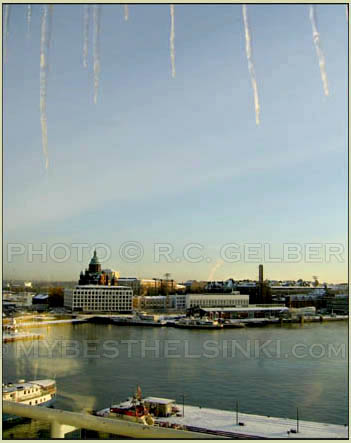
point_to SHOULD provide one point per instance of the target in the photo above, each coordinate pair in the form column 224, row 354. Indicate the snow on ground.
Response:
column 255, row 425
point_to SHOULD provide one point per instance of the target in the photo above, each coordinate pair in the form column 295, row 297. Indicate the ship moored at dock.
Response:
column 163, row 412
column 139, row 319
column 32, row 393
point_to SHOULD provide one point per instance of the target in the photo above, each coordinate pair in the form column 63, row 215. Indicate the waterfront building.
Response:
column 216, row 300
column 182, row 302
column 97, row 291
column 195, row 286
column 99, row 298
column 278, row 290
column 111, row 273
column 19, row 299
column 131, row 282
column 40, row 302
column 244, row 312
column 178, row 302
column 338, row 304
column 150, row 286
column 153, row 302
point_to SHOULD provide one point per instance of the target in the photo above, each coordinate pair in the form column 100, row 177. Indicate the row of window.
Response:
column 107, row 292
column 101, row 304
column 39, row 400
column 99, row 297
column 30, row 391
column 220, row 302
column 104, row 308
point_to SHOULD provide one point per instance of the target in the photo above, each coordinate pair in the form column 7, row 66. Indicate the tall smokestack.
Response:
column 260, row 283
column 260, row 274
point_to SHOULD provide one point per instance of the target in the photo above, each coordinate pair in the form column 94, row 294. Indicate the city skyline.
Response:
column 178, row 160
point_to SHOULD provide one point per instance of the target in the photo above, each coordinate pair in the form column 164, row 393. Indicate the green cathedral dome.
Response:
column 94, row 260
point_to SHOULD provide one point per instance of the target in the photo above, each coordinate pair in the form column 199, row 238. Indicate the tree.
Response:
column 56, row 297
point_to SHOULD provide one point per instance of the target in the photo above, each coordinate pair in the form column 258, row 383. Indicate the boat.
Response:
column 139, row 319
column 133, row 409
column 233, row 324
column 32, row 393
column 198, row 323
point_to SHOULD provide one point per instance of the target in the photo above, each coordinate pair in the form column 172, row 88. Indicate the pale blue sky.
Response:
column 178, row 160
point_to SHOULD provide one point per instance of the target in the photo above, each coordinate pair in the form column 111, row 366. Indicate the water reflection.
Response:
column 89, row 377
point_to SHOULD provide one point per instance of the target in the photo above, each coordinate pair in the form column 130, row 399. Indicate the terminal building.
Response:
column 182, row 302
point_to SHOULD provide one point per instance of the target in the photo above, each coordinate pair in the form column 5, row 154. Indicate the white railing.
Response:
column 63, row 422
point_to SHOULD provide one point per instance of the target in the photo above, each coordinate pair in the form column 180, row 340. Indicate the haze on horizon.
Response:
column 179, row 160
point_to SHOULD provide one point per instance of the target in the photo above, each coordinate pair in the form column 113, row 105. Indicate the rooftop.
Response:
column 219, row 308
column 125, row 288
column 160, row 401
column 94, row 260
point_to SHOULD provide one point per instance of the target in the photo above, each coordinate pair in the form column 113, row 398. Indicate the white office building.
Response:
column 181, row 302
column 217, row 300
column 99, row 298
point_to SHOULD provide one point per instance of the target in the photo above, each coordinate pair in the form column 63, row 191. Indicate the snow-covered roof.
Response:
column 101, row 287
column 290, row 287
column 155, row 297
column 219, row 308
column 160, row 401
column 44, row 383
column 41, row 297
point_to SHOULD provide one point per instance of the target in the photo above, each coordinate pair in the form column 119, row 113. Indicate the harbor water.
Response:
column 270, row 370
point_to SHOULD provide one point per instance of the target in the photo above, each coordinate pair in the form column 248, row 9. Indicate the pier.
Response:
column 219, row 422
column 39, row 324
column 17, row 336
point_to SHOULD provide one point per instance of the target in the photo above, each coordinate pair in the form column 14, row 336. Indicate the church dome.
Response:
column 94, row 260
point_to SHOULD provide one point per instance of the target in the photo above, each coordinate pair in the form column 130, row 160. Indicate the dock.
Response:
column 223, row 423
column 17, row 336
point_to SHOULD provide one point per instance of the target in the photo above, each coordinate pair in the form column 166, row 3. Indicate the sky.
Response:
column 177, row 164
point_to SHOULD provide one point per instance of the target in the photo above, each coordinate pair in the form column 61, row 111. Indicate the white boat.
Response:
column 140, row 319
column 198, row 323
column 33, row 393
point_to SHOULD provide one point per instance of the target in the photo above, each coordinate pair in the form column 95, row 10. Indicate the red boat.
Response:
column 133, row 409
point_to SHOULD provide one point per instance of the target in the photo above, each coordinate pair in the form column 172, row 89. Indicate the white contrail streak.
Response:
column 126, row 12
column 86, row 17
column 319, row 51
column 6, row 29
column 250, row 64
column 44, row 54
column 96, row 50
column 214, row 269
column 171, row 42
column 29, row 19
column 48, row 38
